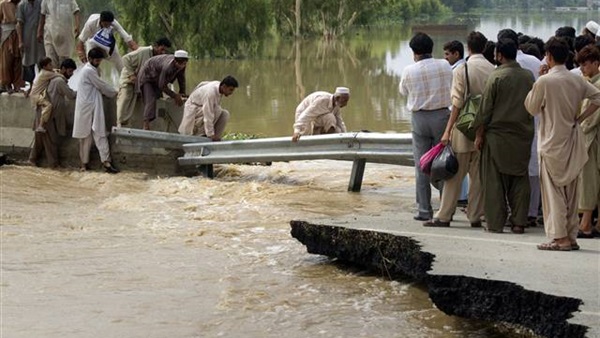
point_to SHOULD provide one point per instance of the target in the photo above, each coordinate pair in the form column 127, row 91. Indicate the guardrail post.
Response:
column 358, row 170
column 206, row 170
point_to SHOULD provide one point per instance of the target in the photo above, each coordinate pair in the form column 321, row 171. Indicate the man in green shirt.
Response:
column 504, row 135
column 132, row 62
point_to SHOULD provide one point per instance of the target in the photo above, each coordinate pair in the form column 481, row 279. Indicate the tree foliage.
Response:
column 229, row 28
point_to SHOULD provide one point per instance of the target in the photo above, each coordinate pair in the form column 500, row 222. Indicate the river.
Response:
column 130, row 255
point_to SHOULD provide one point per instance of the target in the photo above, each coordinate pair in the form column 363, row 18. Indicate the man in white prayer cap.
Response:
column 319, row 113
column 591, row 29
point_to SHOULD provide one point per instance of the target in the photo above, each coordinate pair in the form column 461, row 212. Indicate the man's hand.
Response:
column 478, row 142
column 446, row 137
column 178, row 100
column 544, row 70
column 40, row 38
column 295, row 137
column 132, row 45
column 132, row 78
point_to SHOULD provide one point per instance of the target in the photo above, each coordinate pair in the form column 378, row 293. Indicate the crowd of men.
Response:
column 537, row 126
column 537, row 130
column 44, row 32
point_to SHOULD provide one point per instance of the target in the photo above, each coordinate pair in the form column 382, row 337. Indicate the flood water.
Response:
column 97, row 255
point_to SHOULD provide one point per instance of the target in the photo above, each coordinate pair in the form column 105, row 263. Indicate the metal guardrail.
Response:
column 154, row 139
column 359, row 147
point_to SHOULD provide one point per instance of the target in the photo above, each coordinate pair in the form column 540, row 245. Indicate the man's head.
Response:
column 95, row 56
column 160, row 46
column 228, row 85
column 588, row 59
column 531, row 49
column 67, row 67
column 591, row 29
column 557, row 51
column 454, row 51
column 506, row 51
column 421, row 44
column 476, row 42
column 45, row 63
column 106, row 19
column 181, row 59
column 341, row 96
column 508, row 33
column 489, row 52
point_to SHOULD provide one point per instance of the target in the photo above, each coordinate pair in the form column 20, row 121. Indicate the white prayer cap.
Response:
column 342, row 90
column 181, row 54
column 592, row 26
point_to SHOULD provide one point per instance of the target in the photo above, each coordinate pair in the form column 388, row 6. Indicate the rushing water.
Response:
column 95, row 255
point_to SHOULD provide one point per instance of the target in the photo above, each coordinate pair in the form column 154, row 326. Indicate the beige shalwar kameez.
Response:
column 589, row 179
column 127, row 97
column 317, row 114
column 468, row 157
column 11, row 72
column 202, row 113
column 556, row 97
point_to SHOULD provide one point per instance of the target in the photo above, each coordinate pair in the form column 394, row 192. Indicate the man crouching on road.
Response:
column 319, row 113
column 202, row 112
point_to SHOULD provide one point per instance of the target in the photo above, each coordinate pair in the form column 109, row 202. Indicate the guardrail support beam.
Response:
column 206, row 170
column 356, row 177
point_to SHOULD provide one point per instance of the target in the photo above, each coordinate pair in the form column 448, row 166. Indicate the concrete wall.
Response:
column 16, row 136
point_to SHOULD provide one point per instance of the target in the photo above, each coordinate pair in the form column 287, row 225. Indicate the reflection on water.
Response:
column 91, row 254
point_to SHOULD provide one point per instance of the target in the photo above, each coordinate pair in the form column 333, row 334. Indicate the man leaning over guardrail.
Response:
column 319, row 113
column 202, row 113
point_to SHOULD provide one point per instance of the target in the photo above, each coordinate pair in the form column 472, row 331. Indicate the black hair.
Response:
column 476, row 42
column 96, row 53
column 163, row 42
column 488, row 51
column 68, row 64
column 455, row 46
column 107, row 16
column 540, row 45
column 588, row 53
column 531, row 49
column 507, row 47
column 559, row 49
column 565, row 31
column 44, row 62
column 508, row 33
column 421, row 44
column 582, row 41
column 523, row 39
column 229, row 81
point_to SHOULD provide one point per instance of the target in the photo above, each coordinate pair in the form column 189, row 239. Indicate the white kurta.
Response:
column 203, row 104
column 313, row 107
column 58, row 30
column 89, row 109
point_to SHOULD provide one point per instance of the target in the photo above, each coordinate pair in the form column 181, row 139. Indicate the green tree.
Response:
column 222, row 28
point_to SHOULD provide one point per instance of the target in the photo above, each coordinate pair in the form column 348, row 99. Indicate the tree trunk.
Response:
column 298, row 17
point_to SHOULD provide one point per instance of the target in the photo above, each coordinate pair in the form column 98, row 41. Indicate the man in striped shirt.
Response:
column 426, row 85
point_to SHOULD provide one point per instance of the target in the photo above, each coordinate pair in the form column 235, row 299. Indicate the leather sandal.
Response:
column 517, row 229
column 554, row 246
column 436, row 223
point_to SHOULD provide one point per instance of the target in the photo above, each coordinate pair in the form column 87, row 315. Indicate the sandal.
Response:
column 575, row 246
column 581, row 234
column 554, row 246
column 517, row 229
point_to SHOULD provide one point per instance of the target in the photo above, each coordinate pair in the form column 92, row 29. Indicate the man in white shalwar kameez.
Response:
column 556, row 98
column 319, row 113
column 89, row 122
column 58, row 27
column 202, row 113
